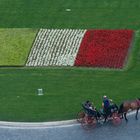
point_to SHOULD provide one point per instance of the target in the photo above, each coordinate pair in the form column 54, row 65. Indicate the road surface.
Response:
column 126, row 131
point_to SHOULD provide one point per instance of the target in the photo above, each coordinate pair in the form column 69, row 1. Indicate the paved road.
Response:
column 129, row 131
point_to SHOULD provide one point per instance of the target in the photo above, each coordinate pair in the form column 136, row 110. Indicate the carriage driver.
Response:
column 106, row 104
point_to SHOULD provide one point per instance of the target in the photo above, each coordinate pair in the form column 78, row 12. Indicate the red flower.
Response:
column 104, row 48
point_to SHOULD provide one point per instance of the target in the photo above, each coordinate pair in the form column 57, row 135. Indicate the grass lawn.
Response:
column 83, row 14
column 64, row 88
column 15, row 45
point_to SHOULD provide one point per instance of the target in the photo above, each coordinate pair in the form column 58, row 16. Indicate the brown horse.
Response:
column 129, row 105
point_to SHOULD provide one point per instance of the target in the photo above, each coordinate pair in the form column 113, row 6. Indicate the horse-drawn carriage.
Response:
column 89, row 120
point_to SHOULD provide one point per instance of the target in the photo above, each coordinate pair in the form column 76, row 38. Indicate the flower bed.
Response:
column 104, row 48
column 55, row 47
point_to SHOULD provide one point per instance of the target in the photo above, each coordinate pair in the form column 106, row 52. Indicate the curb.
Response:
column 37, row 125
column 40, row 125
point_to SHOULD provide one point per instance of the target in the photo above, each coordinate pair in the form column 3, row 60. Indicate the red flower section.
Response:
column 104, row 48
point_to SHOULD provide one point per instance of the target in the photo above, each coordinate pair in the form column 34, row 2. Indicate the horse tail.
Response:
column 121, row 108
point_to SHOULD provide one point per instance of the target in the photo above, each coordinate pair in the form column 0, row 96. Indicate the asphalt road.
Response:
column 126, row 131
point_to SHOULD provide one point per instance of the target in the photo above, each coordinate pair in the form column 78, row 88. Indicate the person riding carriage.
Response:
column 108, row 106
column 90, row 109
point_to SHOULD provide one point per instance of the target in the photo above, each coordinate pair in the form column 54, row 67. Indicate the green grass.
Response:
column 15, row 45
column 84, row 14
column 64, row 89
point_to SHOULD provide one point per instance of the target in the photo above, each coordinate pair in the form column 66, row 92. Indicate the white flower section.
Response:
column 55, row 47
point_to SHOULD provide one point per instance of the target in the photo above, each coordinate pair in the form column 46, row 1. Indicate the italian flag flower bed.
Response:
column 104, row 48
column 89, row 48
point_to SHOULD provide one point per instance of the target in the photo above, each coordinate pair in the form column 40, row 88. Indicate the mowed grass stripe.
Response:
column 83, row 14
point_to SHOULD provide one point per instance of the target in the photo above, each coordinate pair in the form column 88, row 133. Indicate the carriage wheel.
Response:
column 88, row 122
column 116, row 120
column 80, row 116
